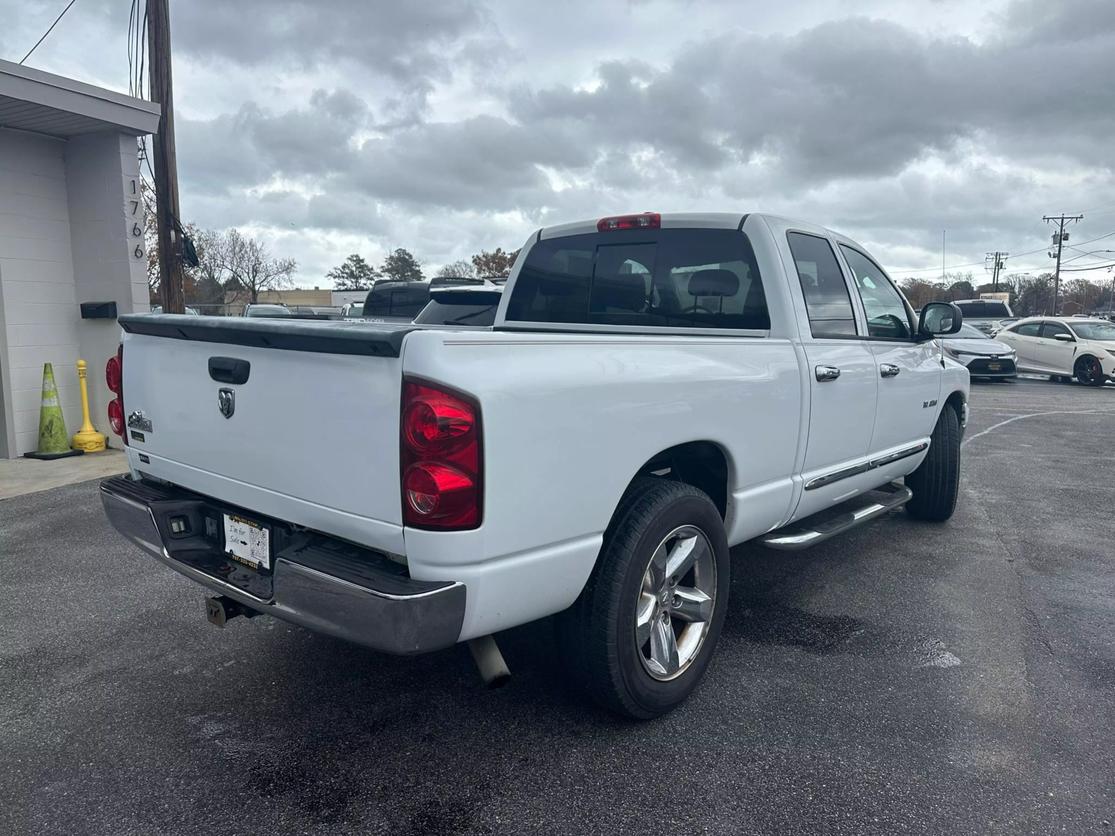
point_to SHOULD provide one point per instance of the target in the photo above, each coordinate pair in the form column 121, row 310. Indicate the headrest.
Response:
column 713, row 283
column 627, row 292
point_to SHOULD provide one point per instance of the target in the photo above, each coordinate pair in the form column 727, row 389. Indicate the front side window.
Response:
column 887, row 314
column 1051, row 329
column 682, row 278
column 822, row 283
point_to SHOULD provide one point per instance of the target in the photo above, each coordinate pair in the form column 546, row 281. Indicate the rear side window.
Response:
column 887, row 315
column 1026, row 329
column 1052, row 329
column 682, row 278
column 404, row 299
column 826, row 293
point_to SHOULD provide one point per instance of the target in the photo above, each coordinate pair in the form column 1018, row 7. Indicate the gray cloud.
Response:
column 458, row 125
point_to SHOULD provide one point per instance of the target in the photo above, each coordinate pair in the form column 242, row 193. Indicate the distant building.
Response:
column 71, row 233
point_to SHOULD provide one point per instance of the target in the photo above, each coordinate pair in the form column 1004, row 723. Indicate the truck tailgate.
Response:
column 311, row 436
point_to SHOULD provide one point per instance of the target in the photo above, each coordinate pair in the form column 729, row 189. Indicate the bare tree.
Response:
column 150, row 240
column 457, row 269
column 252, row 269
column 920, row 291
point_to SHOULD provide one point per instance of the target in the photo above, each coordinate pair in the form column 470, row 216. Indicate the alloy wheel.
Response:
column 676, row 602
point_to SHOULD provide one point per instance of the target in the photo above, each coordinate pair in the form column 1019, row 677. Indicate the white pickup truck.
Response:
column 654, row 390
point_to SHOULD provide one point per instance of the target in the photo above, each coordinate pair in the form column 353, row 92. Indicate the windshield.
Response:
column 1093, row 330
column 267, row 310
column 966, row 332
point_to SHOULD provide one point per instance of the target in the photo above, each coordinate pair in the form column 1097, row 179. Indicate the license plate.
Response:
column 994, row 367
column 247, row 542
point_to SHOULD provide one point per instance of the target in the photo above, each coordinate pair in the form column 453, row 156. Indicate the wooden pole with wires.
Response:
column 165, row 165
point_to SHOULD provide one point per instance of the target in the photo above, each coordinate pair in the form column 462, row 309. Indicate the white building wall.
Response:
column 37, row 298
column 66, row 237
column 106, row 209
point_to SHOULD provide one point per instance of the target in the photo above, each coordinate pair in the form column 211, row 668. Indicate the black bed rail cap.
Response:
column 324, row 337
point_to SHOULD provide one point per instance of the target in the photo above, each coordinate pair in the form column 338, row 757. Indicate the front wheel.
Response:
column 642, row 632
column 936, row 482
column 1089, row 371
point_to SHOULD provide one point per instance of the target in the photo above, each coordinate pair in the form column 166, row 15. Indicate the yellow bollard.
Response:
column 87, row 438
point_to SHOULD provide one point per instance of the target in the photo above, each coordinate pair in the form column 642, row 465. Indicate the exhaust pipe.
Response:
column 222, row 609
column 489, row 661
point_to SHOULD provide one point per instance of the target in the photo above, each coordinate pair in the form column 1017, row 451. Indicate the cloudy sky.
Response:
column 337, row 126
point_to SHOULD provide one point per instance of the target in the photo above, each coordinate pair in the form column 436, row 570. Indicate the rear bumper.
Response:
column 316, row 582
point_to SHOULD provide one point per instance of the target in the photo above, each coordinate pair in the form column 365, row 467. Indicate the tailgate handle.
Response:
column 229, row 369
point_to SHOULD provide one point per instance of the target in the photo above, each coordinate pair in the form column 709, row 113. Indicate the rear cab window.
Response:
column 984, row 309
column 664, row 278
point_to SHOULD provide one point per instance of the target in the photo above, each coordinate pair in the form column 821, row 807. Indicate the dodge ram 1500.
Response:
column 654, row 389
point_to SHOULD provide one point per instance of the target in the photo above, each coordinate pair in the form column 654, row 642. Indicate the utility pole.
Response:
column 995, row 262
column 942, row 255
column 165, row 162
column 1059, row 238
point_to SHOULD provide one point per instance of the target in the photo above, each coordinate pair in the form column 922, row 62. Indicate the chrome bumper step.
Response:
column 838, row 519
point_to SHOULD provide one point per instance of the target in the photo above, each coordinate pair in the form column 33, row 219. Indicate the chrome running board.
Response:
column 838, row 519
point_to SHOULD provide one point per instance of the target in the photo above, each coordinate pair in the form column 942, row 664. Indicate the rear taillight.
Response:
column 647, row 220
column 440, row 458
column 114, row 377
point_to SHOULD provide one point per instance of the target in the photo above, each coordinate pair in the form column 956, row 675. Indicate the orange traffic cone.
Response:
column 54, row 441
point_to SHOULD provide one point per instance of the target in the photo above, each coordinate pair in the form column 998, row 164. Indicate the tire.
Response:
column 936, row 482
column 1089, row 371
column 657, row 518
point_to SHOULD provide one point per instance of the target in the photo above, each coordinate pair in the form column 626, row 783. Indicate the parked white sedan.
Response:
column 1064, row 347
column 984, row 356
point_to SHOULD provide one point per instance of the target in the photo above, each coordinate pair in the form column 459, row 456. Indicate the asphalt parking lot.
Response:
column 904, row 678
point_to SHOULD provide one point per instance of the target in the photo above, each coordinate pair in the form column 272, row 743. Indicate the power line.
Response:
column 1016, row 255
column 47, row 32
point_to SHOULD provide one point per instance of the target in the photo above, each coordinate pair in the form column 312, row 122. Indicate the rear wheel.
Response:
column 642, row 632
column 936, row 482
column 1089, row 371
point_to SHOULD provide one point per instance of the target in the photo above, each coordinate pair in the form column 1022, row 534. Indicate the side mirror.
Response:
column 1065, row 338
column 938, row 319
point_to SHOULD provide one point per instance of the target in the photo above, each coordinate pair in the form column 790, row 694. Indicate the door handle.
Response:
column 826, row 373
column 888, row 370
